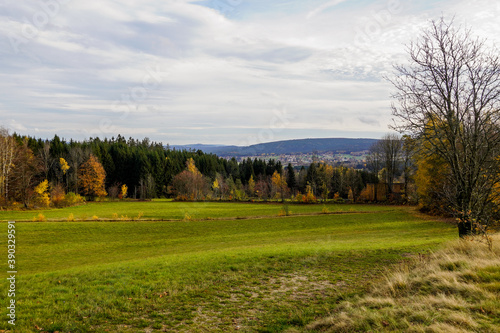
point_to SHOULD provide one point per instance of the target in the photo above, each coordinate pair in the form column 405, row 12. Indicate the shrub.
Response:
column 309, row 198
column 285, row 210
column 72, row 199
column 57, row 195
column 40, row 218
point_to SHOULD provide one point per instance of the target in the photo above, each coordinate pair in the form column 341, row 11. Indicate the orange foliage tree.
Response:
column 92, row 178
column 190, row 184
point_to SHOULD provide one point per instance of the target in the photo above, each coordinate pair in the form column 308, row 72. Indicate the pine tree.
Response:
column 291, row 180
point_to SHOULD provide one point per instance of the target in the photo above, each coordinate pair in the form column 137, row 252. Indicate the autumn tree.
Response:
column 448, row 96
column 92, row 178
column 279, row 182
column 24, row 175
column 64, row 167
column 123, row 191
column 190, row 184
column 262, row 187
column 216, row 187
column 431, row 181
column 324, row 180
column 42, row 196
column 251, row 186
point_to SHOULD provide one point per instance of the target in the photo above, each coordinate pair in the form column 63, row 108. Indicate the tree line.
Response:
column 37, row 172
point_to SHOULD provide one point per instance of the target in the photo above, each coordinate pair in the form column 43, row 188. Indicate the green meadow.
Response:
column 164, row 209
column 195, row 267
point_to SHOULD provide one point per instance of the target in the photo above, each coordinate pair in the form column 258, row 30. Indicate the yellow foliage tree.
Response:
column 64, row 165
column 216, row 187
column 430, row 180
column 280, row 182
column 123, row 192
column 92, row 178
column 309, row 197
column 191, row 167
column 251, row 186
column 42, row 196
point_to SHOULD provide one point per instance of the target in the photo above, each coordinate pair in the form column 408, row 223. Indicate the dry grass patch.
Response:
column 454, row 290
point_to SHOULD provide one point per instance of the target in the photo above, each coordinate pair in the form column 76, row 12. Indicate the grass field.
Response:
column 163, row 209
column 229, row 267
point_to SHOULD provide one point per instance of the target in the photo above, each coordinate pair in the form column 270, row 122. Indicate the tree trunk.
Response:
column 464, row 229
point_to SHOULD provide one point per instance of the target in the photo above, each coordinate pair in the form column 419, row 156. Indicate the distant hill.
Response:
column 299, row 146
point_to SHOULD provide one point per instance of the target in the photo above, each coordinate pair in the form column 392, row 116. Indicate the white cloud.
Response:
column 323, row 7
column 219, row 74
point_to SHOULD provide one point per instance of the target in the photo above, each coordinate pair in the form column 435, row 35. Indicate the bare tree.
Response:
column 7, row 155
column 374, row 159
column 448, row 97
column 407, row 151
column 47, row 160
column 386, row 153
column 77, row 156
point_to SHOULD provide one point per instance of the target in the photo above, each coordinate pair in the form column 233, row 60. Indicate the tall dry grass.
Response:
column 454, row 290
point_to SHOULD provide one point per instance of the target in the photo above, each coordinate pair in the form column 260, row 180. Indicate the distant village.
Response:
column 356, row 160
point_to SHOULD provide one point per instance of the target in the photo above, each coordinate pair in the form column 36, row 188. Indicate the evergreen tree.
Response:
column 291, row 180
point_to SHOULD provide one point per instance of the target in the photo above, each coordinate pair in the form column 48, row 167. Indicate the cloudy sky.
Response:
column 216, row 72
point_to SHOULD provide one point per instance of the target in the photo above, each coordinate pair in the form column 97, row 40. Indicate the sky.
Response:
column 236, row 72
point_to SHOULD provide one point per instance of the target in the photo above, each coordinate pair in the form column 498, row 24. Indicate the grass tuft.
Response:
column 455, row 290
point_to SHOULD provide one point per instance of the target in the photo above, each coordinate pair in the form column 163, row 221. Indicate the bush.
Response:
column 309, row 198
column 40, row 218
column 57, row 196
column 285, row 211
column 72, row 199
